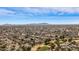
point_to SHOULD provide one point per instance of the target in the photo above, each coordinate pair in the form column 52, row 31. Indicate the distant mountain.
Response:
column 6, row 24
column 35, row 24
column 39, row 24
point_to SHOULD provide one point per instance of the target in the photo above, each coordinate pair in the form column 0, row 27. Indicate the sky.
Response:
column 28, row 15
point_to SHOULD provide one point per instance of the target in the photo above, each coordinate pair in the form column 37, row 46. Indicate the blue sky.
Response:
column 51, row 15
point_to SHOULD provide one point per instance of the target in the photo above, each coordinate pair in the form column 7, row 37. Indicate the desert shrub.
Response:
column 47, row 41
column 2, row 47
column 26, row 47
column 70, row 40
column 44, row 48
column 57, row 42
column 57, row 49
column 62, row 37
column 52, row 46
column 64, row 40
column 73, row 42
column 69, row 49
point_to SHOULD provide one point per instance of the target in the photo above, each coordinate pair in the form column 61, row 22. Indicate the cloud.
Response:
column 52, row 10
column 67, row 9
column 40, row 11
column 6, row 12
